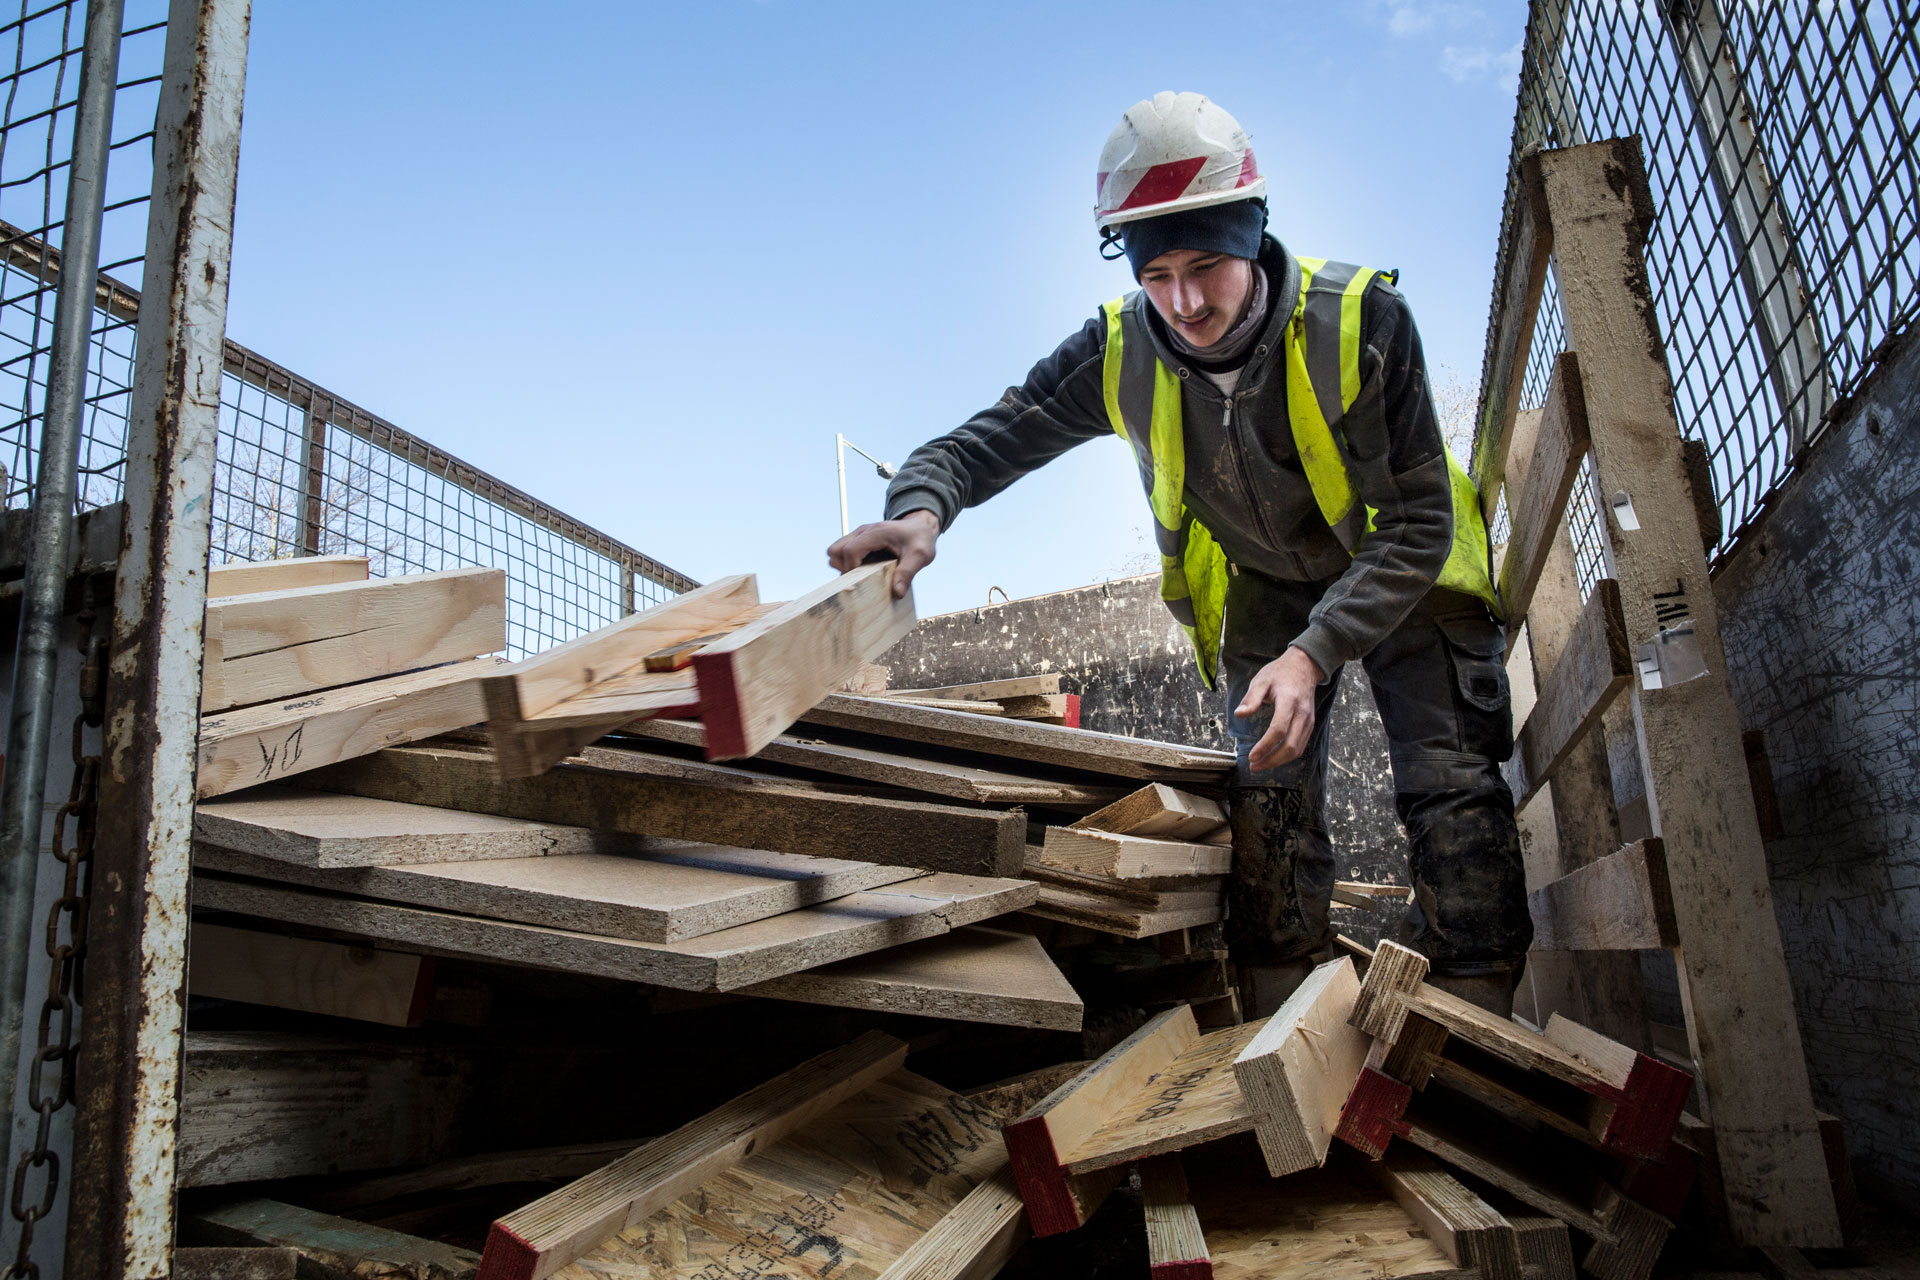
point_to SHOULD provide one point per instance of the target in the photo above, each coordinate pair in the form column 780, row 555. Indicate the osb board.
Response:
column 1195, row 1099
column 840, row 1199
column 1319, row 1224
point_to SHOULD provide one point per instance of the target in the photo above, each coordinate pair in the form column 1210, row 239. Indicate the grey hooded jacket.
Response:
column 1244, row 479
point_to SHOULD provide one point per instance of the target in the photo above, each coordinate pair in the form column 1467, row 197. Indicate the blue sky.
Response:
column 644, row 260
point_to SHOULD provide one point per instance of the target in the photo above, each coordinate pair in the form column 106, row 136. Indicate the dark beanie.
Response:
column 1233, row 228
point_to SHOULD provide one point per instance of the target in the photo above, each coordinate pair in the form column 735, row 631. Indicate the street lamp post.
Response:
column 841, row 444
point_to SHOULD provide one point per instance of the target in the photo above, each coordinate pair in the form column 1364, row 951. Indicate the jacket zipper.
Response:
column 1246, row 476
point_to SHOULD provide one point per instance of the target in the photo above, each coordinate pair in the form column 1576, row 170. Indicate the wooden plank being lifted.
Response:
column 1100, row 753
column 240, row 577
column 276, row 644
column 667, row 894
column 319, row 829
column 1535, row 510
column 646, row 794
column 542, row 709
column 1619, row 903
column 725, row 960
column 558, row 1228
column 251, row 745
column 758, row 681
column 894, row 769
column 1595, row 666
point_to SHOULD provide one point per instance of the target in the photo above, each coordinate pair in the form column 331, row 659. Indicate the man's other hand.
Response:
column 910, row 539
column 1289, row 682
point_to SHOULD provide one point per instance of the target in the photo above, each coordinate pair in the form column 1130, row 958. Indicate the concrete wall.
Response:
column 1820, row 615
column 1116, row 646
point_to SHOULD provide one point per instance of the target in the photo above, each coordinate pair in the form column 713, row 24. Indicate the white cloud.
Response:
column 1405, row 19
column 1500, row 68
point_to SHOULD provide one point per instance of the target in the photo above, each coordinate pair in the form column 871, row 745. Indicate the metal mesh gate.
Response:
column 1779, row 147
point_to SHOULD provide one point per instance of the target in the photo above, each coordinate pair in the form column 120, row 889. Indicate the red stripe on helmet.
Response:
column 1162, row 182
column 1249, row 171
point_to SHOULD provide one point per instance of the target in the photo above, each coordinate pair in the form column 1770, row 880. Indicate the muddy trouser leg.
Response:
column 1283, row 863
column 1441, row 685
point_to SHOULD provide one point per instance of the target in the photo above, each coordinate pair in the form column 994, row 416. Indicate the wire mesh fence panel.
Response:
column 40, row 47
column 303, row 472
column 1778, row 139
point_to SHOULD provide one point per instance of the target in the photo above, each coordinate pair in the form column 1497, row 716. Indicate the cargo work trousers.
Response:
column 1441, row 686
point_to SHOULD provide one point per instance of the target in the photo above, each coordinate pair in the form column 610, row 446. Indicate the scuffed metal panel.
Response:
column 1115, row 645
column 1822, row 634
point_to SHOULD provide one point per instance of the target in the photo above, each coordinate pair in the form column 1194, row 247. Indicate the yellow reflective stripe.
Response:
column 1110, row 367
column 1312, row 439
column 1350, row 337
column 1169, row 449
column 1468, row 568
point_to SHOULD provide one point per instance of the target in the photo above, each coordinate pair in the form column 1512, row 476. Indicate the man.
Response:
column 1308, row 515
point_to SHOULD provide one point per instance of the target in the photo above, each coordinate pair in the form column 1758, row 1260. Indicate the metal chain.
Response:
column 73, row 828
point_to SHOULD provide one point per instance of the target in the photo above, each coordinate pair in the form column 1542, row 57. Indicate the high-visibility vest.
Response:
column 1322, row 355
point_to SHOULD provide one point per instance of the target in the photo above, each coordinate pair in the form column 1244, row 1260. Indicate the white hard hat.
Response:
column 1174, row 151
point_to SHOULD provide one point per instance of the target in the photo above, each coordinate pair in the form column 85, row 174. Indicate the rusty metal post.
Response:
column 30, row 728
column 120, row 1222
column 313, row 480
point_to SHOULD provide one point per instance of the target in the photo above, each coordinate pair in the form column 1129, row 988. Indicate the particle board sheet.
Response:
column 649, row 794
column 857, row 924
column 897, row 769
column 975, row 974
column 272, row 645
column 845, row 1195
column 668, row 894
column 988, row 690
column 1123, row 919
column 320, row 829
column 1100, row 753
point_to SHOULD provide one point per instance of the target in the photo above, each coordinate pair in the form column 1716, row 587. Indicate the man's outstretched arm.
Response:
column 1059, row 406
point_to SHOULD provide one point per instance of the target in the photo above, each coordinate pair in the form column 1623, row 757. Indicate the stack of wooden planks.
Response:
column 309, row 661
column 1149, row 863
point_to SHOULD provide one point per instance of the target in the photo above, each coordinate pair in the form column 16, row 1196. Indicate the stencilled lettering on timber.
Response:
column 1173, row 1094
column 930, row 1138
column 1670, row 607
column 795, row 1233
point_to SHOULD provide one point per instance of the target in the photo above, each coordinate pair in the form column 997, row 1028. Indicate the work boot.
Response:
column 1265, row 987
column 1491, row 991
